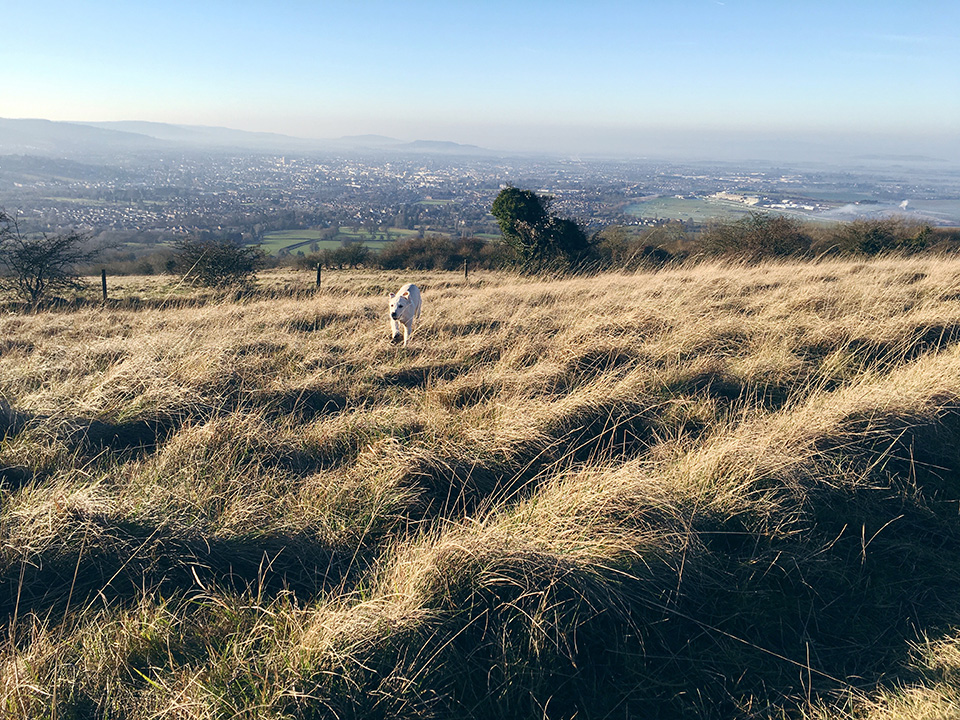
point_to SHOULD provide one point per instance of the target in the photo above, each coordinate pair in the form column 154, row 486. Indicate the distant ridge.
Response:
column 197, row 134
column 444, row 147
column 74, row 139
column 45, row 137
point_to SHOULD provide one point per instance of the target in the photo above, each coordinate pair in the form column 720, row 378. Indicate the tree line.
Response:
column 534, row 239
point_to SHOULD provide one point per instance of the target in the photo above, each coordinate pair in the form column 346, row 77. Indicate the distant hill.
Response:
column 444, row 148
column 44, row 137
column 72, row 139
column 199, row 135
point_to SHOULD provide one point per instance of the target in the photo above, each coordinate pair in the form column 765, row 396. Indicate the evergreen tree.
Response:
column 537, row 237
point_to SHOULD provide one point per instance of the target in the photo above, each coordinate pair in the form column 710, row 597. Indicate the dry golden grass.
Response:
column 717, row 490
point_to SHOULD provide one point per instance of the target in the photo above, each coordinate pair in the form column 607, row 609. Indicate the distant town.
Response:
column 141, row 198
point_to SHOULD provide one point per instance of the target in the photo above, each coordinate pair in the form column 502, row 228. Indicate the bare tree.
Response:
column 34, row 266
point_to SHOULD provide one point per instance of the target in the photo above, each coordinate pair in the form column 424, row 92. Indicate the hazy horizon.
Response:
column 614, row 77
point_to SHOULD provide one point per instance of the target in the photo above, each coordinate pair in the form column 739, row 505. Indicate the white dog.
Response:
column 404, row 307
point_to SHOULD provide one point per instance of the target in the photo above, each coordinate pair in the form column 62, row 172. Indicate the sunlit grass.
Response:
column 719, row 490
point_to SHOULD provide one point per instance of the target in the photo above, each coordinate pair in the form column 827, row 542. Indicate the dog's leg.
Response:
column 395, row 328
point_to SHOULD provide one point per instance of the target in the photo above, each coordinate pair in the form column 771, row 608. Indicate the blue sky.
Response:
column 574, row 76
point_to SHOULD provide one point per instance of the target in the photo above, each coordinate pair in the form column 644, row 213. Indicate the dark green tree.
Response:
column 538, row 238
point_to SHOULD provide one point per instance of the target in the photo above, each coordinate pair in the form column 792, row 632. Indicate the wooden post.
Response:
column 466, row 269
column 103, row 282
column 318, row 275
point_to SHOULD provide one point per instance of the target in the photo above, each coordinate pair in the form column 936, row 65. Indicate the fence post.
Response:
column 103, row 282
column 466, row 269
column 318, row 275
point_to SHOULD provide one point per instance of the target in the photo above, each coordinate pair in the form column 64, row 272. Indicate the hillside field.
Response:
column 293, row 240
column 718, row 490
column 699, row 210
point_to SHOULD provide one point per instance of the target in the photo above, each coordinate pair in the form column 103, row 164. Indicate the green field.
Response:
column 293, row 240
column 696, row 209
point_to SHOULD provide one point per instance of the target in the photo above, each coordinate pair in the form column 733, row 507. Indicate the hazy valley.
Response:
column 142, row 190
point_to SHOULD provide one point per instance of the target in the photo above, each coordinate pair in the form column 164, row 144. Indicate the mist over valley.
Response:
column 146, row 183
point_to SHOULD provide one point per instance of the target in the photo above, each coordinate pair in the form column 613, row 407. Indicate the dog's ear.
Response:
column 406, row 294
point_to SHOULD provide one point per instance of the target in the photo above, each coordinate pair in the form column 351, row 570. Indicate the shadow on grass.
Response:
column 421, row 376
column 729, row 390
column 14, row 477
column 139, row 435
column 472, row 327
column 832, row 592
column 85, row 438
column 818, row 589
column 866, row 352
column 302, row 404
column 758, row 616
column 12, row 420
column 94, row 435
column 458, row 484
column 106, row 560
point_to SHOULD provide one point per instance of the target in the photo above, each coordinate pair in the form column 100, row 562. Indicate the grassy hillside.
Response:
column 714, row 491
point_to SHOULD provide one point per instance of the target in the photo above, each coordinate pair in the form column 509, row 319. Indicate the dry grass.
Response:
column 712, row 491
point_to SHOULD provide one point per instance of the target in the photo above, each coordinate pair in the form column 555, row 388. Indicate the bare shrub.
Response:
column 36, row 266
column 218, row 263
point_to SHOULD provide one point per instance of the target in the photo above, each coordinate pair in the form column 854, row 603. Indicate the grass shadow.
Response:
column 12, row 421
column 303, row 404
column 138, row 435
column 112, row 560
column 421, row 376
